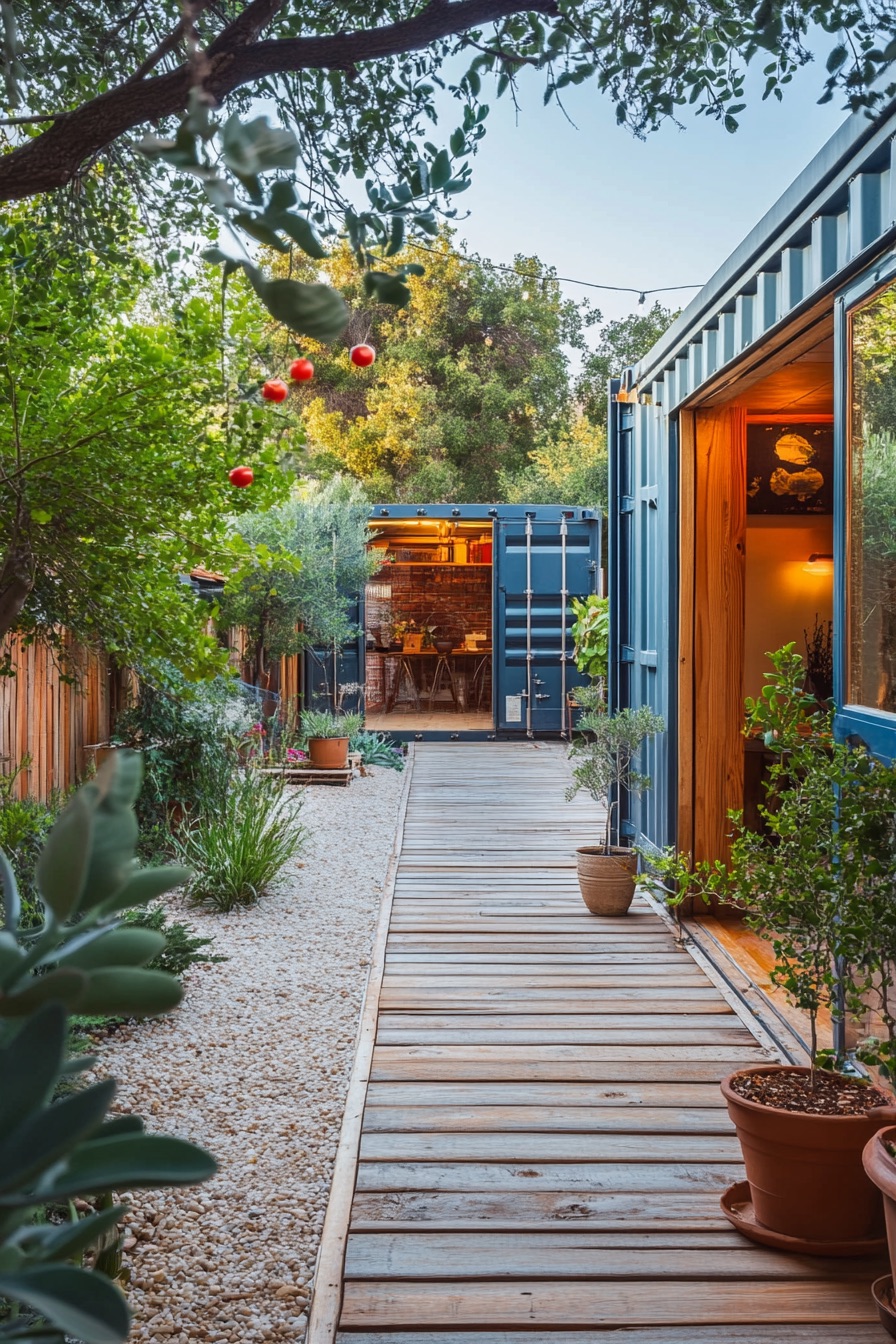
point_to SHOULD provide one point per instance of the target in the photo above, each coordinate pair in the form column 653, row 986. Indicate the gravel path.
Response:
column 255, row 1066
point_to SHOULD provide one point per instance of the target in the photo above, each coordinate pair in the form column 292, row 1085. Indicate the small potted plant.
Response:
column 817, row 881
column 327, row 737
column 605, row 766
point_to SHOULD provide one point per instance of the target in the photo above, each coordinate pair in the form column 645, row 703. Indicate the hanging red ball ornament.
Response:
column 241, row 477
column 301, row 370
column 362, row 355
column 275, row 390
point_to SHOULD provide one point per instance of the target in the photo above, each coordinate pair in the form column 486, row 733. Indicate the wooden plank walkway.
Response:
column 543, row 1143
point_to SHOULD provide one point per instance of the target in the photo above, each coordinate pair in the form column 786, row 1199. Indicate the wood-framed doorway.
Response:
column 713, row 559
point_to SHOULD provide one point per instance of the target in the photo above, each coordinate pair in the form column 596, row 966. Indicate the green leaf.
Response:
column 125, row 1162
column 54, row 1132
column 62, row 986
column 257, row 228
column 72, row 1239
column 145, row 885
column 130, row 993
column 112, row 795
column 10, row 957
column 119, row 947
column 440, row 172
column 29, row 1066
column 256, row 147
column 65, row 858
column 86, row 1306
column 311, row 310
column 301, row 232
column 836, row 58
column 12, row 905
column 387, row 288
column 282, row 194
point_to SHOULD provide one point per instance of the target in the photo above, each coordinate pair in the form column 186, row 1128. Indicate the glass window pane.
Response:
column 871, row 604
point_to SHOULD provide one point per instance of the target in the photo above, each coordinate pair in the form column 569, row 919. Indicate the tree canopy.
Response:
column 360, row 90
column 469, row 379
column 118, row 427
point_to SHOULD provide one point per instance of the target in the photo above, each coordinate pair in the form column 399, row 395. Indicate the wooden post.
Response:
column 719, row 579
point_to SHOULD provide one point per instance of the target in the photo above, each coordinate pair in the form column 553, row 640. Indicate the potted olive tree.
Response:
column 812, row 881
column 605, row 766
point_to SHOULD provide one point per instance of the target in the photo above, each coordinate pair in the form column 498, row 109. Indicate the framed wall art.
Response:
column 790, row 465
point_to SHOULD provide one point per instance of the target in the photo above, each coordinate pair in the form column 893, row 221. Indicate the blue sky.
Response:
column 599, row 205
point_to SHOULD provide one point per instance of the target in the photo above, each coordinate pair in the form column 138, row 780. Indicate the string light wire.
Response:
column 560, row 279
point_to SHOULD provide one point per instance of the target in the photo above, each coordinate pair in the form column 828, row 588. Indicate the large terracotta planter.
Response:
column 880, row 1166
column 606, row 879
column 328, row 753
column 805, row 1171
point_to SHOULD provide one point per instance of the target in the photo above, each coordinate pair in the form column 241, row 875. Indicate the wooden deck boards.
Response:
column 543, row 1142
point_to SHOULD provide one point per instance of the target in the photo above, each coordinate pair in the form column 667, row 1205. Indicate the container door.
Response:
column 538, row 566
column 643, row 591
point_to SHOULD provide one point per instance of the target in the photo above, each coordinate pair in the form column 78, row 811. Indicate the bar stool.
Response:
column 444, row 671
column 480, row 678
column 404, row 688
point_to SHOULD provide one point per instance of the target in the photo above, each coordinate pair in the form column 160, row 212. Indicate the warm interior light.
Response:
column 819, row 564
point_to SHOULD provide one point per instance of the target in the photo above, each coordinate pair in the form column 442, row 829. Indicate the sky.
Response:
column 599, row 205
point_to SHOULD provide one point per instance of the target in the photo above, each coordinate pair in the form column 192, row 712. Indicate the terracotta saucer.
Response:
column 882, row 1292
column 737, row 1207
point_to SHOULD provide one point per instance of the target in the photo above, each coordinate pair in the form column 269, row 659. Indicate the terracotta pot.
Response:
column 606, row 878
column 328, row 753
column 805, row 1171
column 880, row 1166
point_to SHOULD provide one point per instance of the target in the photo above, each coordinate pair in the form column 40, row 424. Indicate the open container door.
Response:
column 643, row 596
column 538, row 565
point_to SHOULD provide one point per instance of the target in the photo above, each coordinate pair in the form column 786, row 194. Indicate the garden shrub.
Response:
column 188, row 735
column 238, row 844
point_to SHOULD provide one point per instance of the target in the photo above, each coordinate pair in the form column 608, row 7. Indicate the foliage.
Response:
column 358, row 88
column 568, row 467
column 184, row 947
column 239, row 848
column 321, row 723
column 24, row 826
column 116, row 444
column 185, row 733
column 591, row 632
column 820, row 659
column 469, row 379
column 619, row 345
column 308, row 557
column 605, row 755
column 783, row 706
column 376, row 749
column 81, row 958
column 818, row 879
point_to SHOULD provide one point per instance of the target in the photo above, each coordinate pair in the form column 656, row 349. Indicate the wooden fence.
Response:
column 55, row 722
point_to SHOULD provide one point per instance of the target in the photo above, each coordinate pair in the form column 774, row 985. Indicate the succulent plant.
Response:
column 52, row 1149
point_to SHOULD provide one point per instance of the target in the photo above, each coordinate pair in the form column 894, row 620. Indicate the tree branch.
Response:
column 235, row 59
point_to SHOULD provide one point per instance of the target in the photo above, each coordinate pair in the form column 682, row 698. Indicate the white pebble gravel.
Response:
column 255, row 1066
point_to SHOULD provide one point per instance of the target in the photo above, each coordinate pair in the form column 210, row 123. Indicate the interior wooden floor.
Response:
column 431, row 720
column 543, row 1143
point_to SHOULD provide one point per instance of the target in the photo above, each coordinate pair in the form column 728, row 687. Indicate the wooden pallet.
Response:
column 535, row 1142
column 307, row 774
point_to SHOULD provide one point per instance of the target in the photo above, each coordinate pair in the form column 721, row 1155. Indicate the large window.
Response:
column 871, row 477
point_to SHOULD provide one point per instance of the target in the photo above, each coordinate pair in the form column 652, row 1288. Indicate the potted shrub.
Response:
column 812, row 881
column 327, row 737
column 605, row 767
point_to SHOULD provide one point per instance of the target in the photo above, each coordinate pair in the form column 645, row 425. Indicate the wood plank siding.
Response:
column 535, row 1142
